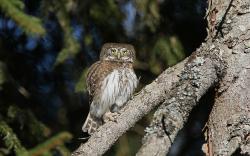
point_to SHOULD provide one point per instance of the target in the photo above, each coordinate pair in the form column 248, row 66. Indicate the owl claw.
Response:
column 110, row 117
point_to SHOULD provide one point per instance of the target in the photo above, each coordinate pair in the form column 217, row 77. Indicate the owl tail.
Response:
column 91, row 125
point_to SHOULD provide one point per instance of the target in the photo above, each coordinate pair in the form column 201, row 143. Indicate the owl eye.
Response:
column 125, row 51
column 113, row 51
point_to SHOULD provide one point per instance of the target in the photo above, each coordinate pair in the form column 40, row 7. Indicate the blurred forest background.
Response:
column 46, row 47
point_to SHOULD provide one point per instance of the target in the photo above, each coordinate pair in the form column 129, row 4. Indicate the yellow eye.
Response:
column 125, row 51
column 113, row 51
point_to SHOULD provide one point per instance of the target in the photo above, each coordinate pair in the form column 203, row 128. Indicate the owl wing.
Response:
column 96, row 74
column 92, row 79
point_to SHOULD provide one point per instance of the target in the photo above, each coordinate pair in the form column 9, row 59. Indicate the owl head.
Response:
column 118, row 52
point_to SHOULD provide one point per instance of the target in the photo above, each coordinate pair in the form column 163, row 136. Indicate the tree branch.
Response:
column 200, row 73
column 233, row 51
column 149, row 97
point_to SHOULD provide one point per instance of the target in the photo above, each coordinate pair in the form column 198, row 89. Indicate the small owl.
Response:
column 111, row 81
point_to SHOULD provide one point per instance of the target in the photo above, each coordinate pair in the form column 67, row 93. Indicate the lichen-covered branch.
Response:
column 149, row 97
column 200, row 73
column 229, row 43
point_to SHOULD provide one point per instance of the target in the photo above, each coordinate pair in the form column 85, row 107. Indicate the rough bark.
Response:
column 229, row 122
column 201, row 72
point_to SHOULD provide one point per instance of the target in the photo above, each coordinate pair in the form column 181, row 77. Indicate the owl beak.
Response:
column 118, row 55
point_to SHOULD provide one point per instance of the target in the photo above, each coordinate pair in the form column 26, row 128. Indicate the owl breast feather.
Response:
column 116, row 88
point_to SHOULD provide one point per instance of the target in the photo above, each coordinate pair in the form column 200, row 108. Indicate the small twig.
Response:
column 165, row 129
column 219, row 28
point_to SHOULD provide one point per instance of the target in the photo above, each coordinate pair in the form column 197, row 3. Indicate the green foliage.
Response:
column 26, row 118
column 111, row 10
column 63, row 150
column 11, row 141
column 71, row 46
column 81, row 84
column 88, row 40
column 36, row 130
column 52, row 143
column 150, row 13
column 15, row 10
column 167, row 49
column 161, row 52
column 3, row 76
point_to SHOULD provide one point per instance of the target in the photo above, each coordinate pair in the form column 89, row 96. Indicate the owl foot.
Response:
column 114, row 108
column 109, row 116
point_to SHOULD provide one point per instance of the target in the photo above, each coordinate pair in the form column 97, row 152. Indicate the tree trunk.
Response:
column 229, row 121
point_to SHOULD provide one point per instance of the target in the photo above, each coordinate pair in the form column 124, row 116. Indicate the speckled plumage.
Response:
column 110, row 82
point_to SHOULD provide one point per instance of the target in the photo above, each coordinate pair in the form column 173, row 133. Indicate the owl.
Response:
column 110, row 81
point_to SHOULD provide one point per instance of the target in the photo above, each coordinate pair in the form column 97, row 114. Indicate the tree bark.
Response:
column 229, row 121
column 201, row 73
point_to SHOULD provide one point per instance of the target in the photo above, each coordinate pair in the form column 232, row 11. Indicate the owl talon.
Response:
column 110, row 117
column 114, row 108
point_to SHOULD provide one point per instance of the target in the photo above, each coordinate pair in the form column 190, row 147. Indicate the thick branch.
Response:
column 149, row 97
column 231, row 44
column 199, row 75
